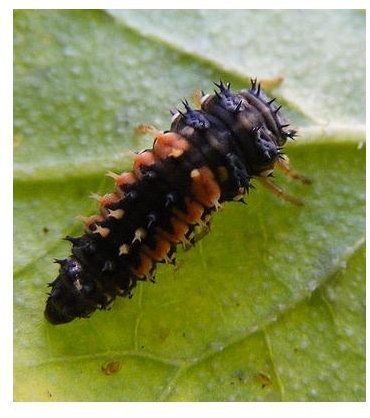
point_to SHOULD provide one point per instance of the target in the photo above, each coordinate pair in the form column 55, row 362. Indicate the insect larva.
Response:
column 206, row 158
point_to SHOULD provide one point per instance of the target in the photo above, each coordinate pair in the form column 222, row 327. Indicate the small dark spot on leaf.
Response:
column 263, row 379
column 111, row 367
column 163, row 333
column 240, row 375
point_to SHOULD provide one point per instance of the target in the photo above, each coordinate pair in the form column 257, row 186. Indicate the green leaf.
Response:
column 271, row 304
column 323, row 82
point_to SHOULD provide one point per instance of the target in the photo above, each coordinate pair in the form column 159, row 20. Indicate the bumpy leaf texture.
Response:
column 271, row 304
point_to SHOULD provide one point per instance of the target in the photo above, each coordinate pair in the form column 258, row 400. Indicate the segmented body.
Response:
column 206, row 158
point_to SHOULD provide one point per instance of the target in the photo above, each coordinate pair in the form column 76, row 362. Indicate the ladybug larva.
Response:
column 208, row 156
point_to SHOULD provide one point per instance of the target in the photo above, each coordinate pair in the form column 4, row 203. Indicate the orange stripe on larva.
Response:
column 89, row 221
column 193, row 214
column 169, row 145
column 143, row 159
column 204, row 187
column 124, row 179
column 179, row 230
column 159, row 253
column 108, row 199
column 144, row 268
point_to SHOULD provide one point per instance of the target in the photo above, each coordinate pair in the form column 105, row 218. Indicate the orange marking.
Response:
column 193, row 214
column 108, row 199
column 162, row 248
column 144, row 268
column 205, row 188
column 170, row 144
column 124, row 178
column 143, row 159
column 179, row 230
column 89, row 221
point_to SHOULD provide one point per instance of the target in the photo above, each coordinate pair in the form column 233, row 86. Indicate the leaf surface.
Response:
column 271, row 304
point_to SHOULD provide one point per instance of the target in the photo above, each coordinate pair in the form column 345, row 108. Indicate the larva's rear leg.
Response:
column 282, row 164
column 197, row 234
column 196, row 98
column 279, row 192
column 271, row 83
column 148, row 129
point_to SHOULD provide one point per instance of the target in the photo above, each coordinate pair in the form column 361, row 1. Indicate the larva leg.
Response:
column 148, row 129
column 196, row 98
column 279, row 192
column 199, row 233
column 271, row 83
column 282, row 164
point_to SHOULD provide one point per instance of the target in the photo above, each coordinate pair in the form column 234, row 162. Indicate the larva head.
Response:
column 254, row 119
column 70, row 297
